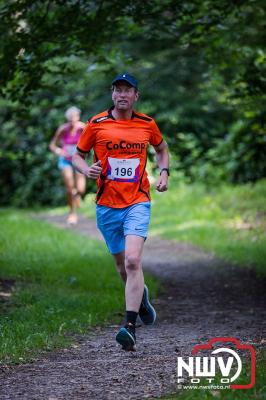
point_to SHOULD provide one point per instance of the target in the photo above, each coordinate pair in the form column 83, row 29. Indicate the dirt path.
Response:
column 204, row 298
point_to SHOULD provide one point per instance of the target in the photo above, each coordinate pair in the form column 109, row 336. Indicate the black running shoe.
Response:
column 126, row 337
column 147, row 313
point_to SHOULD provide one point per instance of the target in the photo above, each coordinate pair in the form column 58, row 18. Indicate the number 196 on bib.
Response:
column 123, row 170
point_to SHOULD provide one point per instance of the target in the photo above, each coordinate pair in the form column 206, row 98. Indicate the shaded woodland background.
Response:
column 201, row 70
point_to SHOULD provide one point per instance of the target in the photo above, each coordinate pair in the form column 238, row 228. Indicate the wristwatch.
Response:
column 165, row 169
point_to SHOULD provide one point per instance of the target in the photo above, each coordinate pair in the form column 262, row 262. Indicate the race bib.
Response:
column 123, row 170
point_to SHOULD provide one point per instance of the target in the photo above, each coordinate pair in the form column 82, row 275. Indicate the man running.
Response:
column 119, row 138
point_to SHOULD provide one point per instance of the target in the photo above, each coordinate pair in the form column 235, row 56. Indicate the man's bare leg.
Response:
column 120, row 265
column 135, row 279
column 130, row 269
column 128, row 265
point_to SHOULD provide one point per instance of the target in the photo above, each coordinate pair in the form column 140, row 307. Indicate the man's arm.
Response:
column 79, row 162
column 162, row 158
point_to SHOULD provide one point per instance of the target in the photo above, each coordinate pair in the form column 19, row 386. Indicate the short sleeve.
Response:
column 87, row 139
column 156, row 136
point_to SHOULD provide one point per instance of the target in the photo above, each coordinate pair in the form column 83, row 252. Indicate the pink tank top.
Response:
column 69, row 141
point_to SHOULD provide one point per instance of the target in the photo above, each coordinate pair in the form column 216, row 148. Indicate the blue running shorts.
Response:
column 63, row 163
column 116, row 223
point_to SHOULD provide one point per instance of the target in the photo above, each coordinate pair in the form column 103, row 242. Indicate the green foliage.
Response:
column 29, row 173
column 201, row 67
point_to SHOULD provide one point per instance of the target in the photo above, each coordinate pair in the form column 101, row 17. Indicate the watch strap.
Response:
column 165, row 169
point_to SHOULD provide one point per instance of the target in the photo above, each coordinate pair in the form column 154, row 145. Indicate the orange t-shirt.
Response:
column 121, row 145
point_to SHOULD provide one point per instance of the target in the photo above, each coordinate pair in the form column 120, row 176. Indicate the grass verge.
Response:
column 63, row 283
column 227, row 220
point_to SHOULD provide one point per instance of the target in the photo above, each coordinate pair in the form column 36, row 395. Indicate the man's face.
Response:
column 124, row 96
